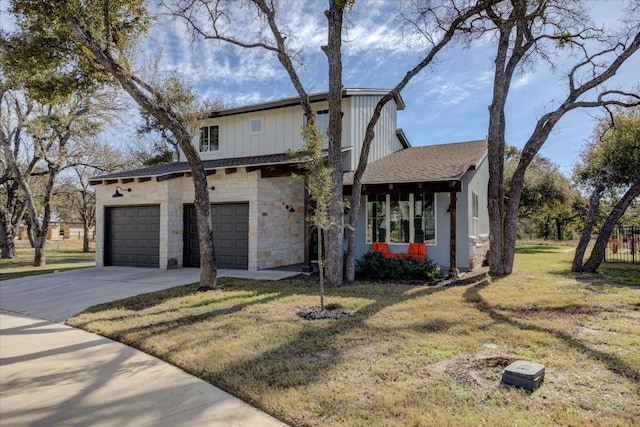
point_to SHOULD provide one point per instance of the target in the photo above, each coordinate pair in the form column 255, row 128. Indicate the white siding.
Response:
column 385, row 141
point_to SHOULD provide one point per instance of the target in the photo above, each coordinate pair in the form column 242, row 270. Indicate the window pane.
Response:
column 213, row 138
column 204, row 139
column 322, row 121
column 399, row 218
column 256, row 125
column 376, row 212
column 424, row 218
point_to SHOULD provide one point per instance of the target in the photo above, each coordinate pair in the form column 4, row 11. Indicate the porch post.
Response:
column 453, row 226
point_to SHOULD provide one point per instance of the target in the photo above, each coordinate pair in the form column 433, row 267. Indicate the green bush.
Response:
column 374, row 266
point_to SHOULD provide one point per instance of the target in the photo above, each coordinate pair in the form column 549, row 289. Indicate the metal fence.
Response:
column 623, row 245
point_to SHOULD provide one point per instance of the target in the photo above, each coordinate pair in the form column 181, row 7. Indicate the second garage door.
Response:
column 133, row 236
column 230, row 235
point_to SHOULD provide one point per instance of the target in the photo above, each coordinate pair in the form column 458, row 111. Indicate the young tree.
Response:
column 530, row 30
column 611, row 162
column 95, row 39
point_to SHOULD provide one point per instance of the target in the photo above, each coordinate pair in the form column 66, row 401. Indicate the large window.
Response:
column 209, row 138
column 322, row 121
column 376, row 218
column 401, row 218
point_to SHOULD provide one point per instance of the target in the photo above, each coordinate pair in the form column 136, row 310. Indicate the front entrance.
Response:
column 230, row 223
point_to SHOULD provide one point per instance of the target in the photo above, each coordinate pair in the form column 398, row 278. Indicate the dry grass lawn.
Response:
column 60, row 255
column 412, row 355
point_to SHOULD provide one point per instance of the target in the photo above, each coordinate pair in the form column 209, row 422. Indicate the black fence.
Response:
column 623, row 245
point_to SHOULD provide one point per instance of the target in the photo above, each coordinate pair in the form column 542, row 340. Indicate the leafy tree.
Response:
column 95, row 39
column 14, row 114
column 526, row 31
column 549, row 202
column 610, row 162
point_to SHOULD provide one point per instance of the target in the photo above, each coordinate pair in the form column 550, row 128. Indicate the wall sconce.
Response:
column 290, row 208
column 213, row 187
column 118, row 193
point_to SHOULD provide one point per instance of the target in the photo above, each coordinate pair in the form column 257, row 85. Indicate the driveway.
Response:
column 58, row 296
column 52, row 374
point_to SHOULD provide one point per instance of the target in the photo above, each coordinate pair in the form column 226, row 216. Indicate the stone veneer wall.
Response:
column 276, row 236
column 478, row 247
column 280, row 232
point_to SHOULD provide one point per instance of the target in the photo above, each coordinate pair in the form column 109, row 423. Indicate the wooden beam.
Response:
column 127, row 180
column 111, row 181
column 210, row 172
column 144, row 179
column 453, row 226
column 95, row 181
column 417, row 187
column 229, row 171
column 170, row 176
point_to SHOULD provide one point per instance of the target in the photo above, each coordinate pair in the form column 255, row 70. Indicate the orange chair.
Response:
column 383, row 248
column 417, row 251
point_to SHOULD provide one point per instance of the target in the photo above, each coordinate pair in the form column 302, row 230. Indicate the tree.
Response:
column 57, row 133
column 611, row 162
column 318, row 183
column 14, row 114
column 526, row 31
column 95, row 39
column 549, row 202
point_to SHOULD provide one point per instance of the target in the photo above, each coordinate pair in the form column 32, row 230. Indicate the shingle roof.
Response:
column 181, row 167
column 431, row 163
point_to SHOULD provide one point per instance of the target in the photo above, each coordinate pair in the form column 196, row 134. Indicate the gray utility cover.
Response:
column 133, row 236
column 524, row 374
column 230, row 223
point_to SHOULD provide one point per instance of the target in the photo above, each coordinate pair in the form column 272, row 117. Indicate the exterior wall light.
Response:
column 118, row 193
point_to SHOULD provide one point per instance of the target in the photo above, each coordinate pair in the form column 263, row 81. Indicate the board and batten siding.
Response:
column 385, row 141
column 281, row 132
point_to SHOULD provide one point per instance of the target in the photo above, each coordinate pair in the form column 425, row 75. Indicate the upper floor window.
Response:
column 322, row 121
column 256, row 125
column 209, row 138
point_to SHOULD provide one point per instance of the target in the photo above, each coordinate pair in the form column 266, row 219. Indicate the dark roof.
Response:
column 183, row 167
column 430, row 163
column 316, row 97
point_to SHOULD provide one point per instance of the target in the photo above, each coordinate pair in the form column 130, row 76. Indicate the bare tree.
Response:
column 530, row 30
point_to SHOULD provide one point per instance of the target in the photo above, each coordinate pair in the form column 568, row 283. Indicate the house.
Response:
column 146, row 216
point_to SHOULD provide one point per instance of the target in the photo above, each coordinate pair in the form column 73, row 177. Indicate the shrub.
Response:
column 374, row 266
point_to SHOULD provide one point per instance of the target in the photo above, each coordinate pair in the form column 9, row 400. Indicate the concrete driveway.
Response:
column 52, row 374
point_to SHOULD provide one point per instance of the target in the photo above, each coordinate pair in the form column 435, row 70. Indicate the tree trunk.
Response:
column 7, row 236
column 585, row 237
column 321, row 265
column 85, row 238
column 40, row 240
column 333, row 51
column 559, row 234
column 597, row 254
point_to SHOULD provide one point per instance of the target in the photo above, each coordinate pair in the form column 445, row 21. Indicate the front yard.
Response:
column 411, row 355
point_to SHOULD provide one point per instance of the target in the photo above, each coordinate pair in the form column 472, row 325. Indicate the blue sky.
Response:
column 445, row 103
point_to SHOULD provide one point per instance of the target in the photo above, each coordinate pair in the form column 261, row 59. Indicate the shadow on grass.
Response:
column 613, row 363
column 539, row 249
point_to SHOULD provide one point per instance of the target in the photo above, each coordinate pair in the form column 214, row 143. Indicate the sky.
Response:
column 447, row 102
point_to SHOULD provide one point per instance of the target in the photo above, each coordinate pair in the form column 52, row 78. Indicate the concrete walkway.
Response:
column 52, row 374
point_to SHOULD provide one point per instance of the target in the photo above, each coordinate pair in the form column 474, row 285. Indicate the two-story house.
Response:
column 145, row 217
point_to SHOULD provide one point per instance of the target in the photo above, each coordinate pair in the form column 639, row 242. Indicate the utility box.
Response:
column 525, row 374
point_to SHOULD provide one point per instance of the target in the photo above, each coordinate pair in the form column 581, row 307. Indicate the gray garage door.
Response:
column 230, row 235
column 133, row 236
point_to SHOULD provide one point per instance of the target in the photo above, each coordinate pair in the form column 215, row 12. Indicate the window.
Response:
column 424, row 218
column 376, row 222
column 401, row 218
column 322, row 121
column 475, row 214
column 256, row 125
column 209, row 138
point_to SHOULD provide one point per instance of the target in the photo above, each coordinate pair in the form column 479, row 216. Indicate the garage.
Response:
column 133, row 236
column 230, row 223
